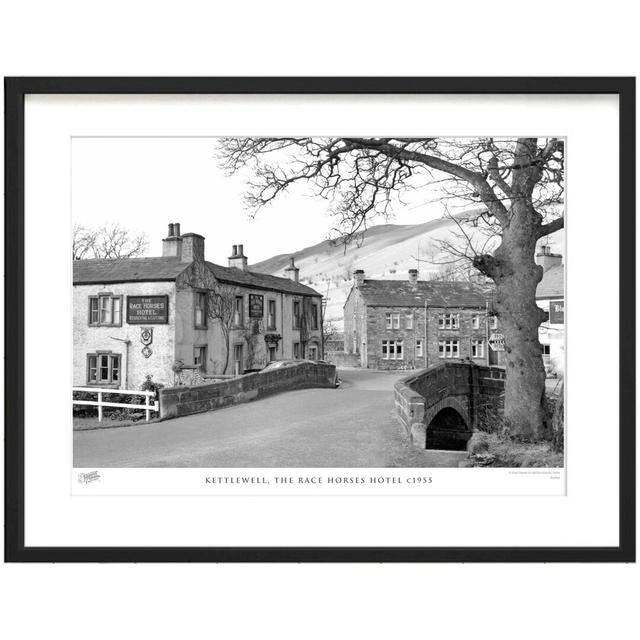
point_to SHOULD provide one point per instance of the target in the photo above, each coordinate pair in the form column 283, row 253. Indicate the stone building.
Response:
column 411, row 324
column 180, row 314
column 550, row 297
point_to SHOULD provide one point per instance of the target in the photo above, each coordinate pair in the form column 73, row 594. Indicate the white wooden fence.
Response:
column 146, row 406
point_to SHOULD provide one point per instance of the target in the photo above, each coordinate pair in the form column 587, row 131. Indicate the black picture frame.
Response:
column 15, row 91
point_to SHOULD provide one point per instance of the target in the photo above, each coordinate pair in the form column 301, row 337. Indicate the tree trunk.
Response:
column 226, row 351
column 517, row 276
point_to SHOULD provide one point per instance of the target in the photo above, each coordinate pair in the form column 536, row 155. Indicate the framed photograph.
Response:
column 320, row 319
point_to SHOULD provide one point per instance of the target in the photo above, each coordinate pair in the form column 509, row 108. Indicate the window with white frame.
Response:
column 477, row 348
column 408, row 319
column 200, row 356
column 238, row 311
column 200, row 316
column 392, row 350
column 419, row 352
column 393, row 320
column 105, row 310
column 546, row 349
column 103, row 368
column 449, row 348
column 475, row 321
column 271, row 314
column 493, row 322
column 448, row 321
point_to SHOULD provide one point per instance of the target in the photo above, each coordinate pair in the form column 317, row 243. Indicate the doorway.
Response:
column 238, row 366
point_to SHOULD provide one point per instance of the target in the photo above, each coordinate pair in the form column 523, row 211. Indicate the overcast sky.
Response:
column 145, row 183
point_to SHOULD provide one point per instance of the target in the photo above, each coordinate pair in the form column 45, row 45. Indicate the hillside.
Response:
column 388, row 251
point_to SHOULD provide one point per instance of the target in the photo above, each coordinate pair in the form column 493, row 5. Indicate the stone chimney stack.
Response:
column 172, row 244
column 358, row 276
column 546, row 259
column 413, row 276
column 192, row 247
column 293, row 273
column 237, row 259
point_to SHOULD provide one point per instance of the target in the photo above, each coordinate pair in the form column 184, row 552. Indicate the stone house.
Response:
column 152, row 316
column 550, row 297
column 411, row 324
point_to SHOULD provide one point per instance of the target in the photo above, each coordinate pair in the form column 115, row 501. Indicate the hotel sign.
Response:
column 556, row 312
column 256, row 305
column 147, row 309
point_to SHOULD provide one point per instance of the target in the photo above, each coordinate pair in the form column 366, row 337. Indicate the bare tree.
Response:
column 221, row 307
column 108, row 241
column 516, row 182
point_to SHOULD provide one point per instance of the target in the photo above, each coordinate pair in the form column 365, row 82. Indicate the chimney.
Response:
column 358, row 276
column 413, row 276
column 293, row 273
column 237, row 259
column 172, row 244
column 546, row 259
column 192, row 247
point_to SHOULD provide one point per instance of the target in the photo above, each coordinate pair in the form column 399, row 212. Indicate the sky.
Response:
column 146, row 183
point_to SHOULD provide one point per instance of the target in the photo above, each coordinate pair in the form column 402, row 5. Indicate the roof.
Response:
column 402, row 293
column 104, row 271
column 552, row 283
column 259, row 280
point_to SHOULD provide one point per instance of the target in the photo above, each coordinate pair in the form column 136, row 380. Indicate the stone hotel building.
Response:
column 153, row 316
column 407, row 324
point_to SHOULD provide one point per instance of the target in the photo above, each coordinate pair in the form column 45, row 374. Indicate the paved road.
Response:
column 353, row 426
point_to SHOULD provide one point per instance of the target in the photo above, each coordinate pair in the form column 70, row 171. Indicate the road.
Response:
column 352, row 426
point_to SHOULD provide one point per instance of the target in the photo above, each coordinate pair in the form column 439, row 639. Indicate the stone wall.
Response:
column 342, row 359
column 181, row 401
column 473, row 391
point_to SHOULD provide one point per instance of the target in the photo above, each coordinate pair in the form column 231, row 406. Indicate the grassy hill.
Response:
column 388, row 251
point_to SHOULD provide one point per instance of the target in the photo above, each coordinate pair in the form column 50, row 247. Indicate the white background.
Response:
column 55, row 518
column 320, row 601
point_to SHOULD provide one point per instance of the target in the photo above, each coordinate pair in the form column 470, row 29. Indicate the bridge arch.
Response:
column 448, row 429
column 448, row 401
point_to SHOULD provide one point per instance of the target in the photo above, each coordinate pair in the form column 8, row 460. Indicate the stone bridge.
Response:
column 442, row 405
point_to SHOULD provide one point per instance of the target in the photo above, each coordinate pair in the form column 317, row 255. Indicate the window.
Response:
column 271, row 314
column 313, row 352
column 477, row 348
column 296, row 350
column 449, row 348
column 409, row 321
column 200, row 319
column 475, row 321
column 419, row 353
column 105, row 310
column 238, row 311
column 493, row 322
column 238, row 359
column 314, row 316
column 448, row 321
column 392, row 350
column 546, row 349
column 393, row 320
column 103, row 368
column 200, row 357
column 296, row 314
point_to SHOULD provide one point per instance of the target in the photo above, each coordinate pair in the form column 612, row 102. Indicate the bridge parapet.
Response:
column 469, row 389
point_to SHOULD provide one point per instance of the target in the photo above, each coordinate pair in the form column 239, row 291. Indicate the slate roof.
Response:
column 259, row 280
column 402, row 293
column 104, row 271
column 98, row 271
column 552, row 283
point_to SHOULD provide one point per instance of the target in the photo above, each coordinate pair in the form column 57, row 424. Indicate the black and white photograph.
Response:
column 318, row 302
